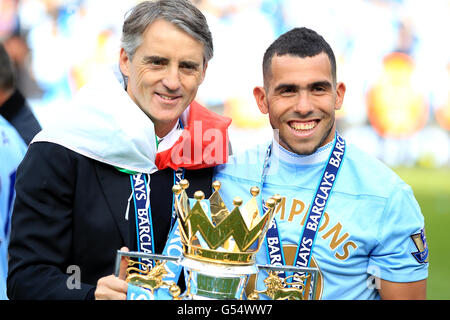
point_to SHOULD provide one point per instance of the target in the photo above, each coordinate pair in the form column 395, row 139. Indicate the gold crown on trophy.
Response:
column 227, row 237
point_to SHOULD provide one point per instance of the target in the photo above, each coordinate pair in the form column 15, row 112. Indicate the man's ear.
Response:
column 340, row 93
column 124, row 62
column 260, row 97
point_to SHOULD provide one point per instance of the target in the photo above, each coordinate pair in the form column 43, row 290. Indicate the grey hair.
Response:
column 181, row 13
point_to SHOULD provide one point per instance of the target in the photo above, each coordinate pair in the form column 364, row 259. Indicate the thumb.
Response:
column 123, row 264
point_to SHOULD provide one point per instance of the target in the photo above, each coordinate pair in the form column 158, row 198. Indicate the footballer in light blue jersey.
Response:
column 12, row 150
column 372, row 226
column 356, row 221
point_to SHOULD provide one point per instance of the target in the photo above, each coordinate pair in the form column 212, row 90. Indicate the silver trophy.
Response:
column 219, row 253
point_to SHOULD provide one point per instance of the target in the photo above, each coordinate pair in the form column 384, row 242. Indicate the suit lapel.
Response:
column 117, row 190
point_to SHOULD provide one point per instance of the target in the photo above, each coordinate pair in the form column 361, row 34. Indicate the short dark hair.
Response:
column 301, row 42
column 7, row 74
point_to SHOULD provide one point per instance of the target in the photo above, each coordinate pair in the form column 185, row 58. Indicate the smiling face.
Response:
column 164, row 74
column 301, row 99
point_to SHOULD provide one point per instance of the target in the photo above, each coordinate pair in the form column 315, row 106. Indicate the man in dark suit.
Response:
column 79, row 186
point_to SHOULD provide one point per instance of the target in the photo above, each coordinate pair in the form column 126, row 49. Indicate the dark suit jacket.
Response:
column 70, row 210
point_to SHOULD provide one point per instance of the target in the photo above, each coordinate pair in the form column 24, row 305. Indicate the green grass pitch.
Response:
column 432, row 190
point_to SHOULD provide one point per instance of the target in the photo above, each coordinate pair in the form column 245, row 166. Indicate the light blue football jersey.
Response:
column 12, row 150
column 372, row 225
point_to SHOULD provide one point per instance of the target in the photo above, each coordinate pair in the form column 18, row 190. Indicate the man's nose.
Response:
column 171, row 79
column 304, row 104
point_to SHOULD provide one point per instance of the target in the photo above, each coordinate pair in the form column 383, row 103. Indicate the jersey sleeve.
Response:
column 402, row 253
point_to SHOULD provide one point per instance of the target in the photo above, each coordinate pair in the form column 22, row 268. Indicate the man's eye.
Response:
column 319, row 90
column 287, row 91
column 188, row 67
column 156, row 63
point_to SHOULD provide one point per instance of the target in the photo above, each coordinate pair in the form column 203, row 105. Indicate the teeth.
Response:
column 166, row 97
column 303, row 126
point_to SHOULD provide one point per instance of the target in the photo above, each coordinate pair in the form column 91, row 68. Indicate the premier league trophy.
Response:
column 219, row 253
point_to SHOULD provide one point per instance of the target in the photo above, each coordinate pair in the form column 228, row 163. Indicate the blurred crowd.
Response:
column 392, row 54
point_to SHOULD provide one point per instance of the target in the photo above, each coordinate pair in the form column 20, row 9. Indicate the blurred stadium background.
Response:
column 392, row 54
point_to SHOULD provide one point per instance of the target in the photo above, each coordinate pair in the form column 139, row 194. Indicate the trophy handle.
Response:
column 134, row 254
column 277, row 288
column 151, row 279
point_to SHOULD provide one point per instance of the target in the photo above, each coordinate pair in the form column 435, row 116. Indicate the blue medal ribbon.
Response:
column 273, row 241
column 173, row 245
column 144, row 225
column 314, row 214
column 274, row 248
column 319, row 203
column 144, row 233
column 143, row 212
